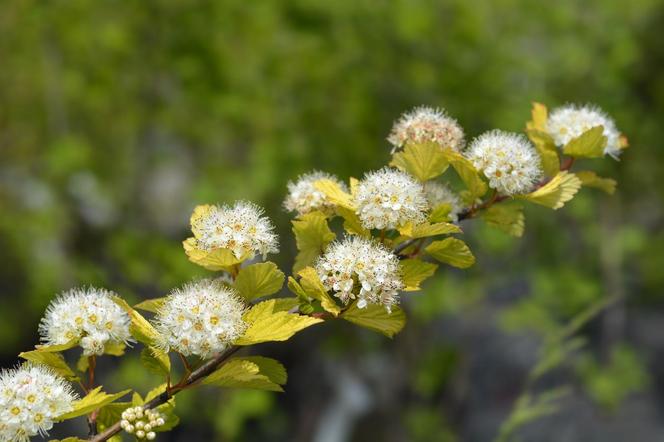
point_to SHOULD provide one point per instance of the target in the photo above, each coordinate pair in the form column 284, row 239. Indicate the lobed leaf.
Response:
column 51, row 359
column 589, row 144
column 156, row 361
column 554, row 194
column 590, row 179
column 452, row 251
column 151, row 305
column 547, row 150
column 335, row 193
column 376, row 318
column 215, row 260
column 266, row 323
column 507, row 217
column 139, row 327
column 414, row 271
column 255, row 372
column 312, row 235
column 422, row 160
column 94, row 400
column 469, row 175
column 425, row 229
column 258, row 280
column 313, row 287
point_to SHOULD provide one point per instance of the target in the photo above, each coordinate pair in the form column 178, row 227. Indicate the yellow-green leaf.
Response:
column 258, row 280
column 215, row 260
column 422, row 160
column 314, row 288
column 547, row 150
column 51, row 359
column 251, row 372
column 554, row 194
column 589, row 144
column 452, row 251
column 590, row 179
column 156, row 361
column 312, row 235
column 268, row 324
column 440, row 213
column 139, row 327
column 151, row 305
column 539, row 115
column 114, row 348
column 57, row 347
column 376, row 318
column 507, row 217
column 425, row 229
column 334, row 193
column 94, row 400
column 198, row 214
column 414, row 271
column 352, row 223
column 467, row 172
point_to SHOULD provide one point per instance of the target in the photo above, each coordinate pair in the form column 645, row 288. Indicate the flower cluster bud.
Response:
column 141, row 422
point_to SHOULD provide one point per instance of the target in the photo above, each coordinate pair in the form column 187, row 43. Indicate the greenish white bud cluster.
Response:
column 201, row 318
column 426, row 125
column 389, row 198
column 141, row 422
column 508, row 160
column 32, row 397
column 568, row 122
column 359, row 268
column 241, row 228
column 87, row 315
column 303, row 197
column 438, row 194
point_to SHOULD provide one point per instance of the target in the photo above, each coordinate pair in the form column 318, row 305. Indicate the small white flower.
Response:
column 438, row 194
column 32, row 397
column 140, row 422
column 568, row 122
column 88, row 316
column 241, row 228
column 388, row 199
column 303, row 197
column 359, row 268
column 426, row 124
column 508, row 160
column 201, row 318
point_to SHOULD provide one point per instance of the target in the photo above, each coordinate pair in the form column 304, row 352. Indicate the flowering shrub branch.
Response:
column 398, row 225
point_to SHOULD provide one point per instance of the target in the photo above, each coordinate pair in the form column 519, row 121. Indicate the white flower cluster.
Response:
column 31, row 398
column 360, row 268
column 388, row 199
column 241, row 228
column 303, row 197
column 568, row 122
column 426, row 124
column 508, row 160
column 87, row 315
column 439, row 193
column 201, row 318
column 140, row 422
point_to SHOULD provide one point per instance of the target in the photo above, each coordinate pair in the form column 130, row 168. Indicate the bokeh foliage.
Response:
column 117, row 118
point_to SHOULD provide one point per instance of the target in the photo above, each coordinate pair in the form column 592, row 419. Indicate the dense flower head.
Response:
column 388, row 199
column 141, row 422
column 31, row 398
column 426, row 124
column 508, row 160
column 568, row 122
column 88, row 316
column 241, row 228
column 362, row 269
column 438, row 194
column 201, row 318
column 303, row 197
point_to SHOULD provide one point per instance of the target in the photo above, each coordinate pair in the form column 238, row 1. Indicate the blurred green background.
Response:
column 117, row 118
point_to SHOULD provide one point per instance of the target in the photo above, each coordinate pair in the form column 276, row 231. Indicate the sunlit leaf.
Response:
column 54, row 360
column 151, row 305
column 589, row 144
column 376, row 318
column 255, row 372
column 547, row 150
column 539, row 116
column 590, row 179
column 414, row 271
column 268, row 324
column 215, row 260
column 94, row 400
column 334, row 193
column 352, row 223
column 156, row 361
column 554, row 194
column 312, row 235
column 451, row 251
column 422, row 160
column 139, row 327
column 425, row 229
column 312, row 286
column 258, row 280
column 469, row 175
